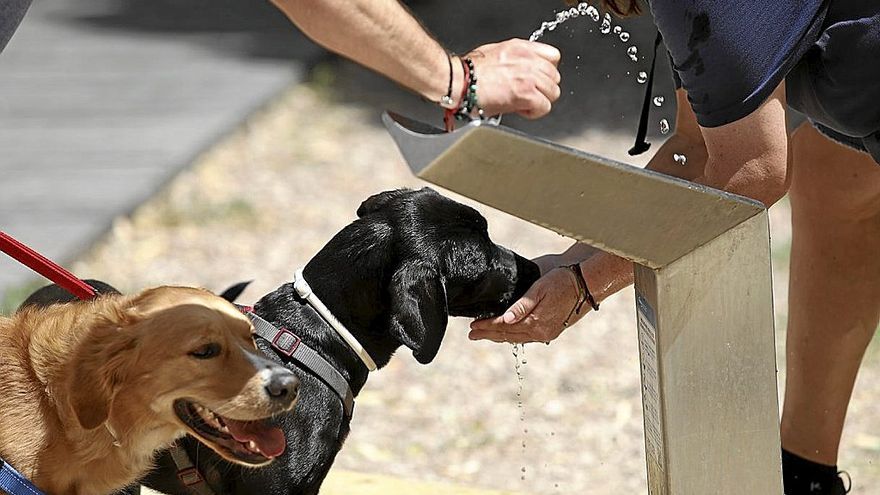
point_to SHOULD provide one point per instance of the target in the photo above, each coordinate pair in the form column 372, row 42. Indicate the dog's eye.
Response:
column 206, row 351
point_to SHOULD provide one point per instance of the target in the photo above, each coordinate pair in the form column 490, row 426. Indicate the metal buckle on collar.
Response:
column 286, row 342
column 190, row 476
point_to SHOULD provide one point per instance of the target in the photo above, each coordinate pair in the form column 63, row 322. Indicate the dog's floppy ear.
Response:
column 100, row 366
column 418, row 310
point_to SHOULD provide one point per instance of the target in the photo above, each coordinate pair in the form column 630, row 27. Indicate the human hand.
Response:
column 539, row 316
column 516, row 76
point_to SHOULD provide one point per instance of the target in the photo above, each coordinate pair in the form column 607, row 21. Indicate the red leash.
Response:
column 45, row 267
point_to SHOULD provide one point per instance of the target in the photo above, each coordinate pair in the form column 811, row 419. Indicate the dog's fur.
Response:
column 392, row 278
column 89, row 391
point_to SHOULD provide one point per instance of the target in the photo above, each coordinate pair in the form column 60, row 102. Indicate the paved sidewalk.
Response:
column 101, row 103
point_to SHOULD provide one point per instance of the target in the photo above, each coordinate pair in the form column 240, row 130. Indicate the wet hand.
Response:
column 539, row 316
column 517, row 76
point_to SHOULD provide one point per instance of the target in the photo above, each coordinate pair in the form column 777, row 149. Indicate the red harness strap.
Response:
column 45, row 267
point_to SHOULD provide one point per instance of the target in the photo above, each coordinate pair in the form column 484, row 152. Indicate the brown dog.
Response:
column 89, row 391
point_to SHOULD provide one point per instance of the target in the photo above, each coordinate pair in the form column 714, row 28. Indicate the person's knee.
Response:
column 776, row 180
column 831, row 180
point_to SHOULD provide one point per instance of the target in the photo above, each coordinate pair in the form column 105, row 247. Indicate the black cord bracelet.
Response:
column 582, row 284
column 446, row 100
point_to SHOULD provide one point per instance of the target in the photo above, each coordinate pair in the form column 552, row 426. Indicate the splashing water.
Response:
column 518, row 363
column 679, row 158
column 633, row 53
column 587, row 10
column 658, row 101
column 605, row 28
column 664, row 126
column 583, row 9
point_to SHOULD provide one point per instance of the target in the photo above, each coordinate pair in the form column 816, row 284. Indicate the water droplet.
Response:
column 593, row 12
column 633, row 53
column 605, row 28
column 643, row 77
column 680, row 159
column 624, row 36
column 658, row 101
column 617, row 29
column 664, row 126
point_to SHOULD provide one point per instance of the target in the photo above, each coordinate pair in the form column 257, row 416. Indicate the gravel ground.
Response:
column 260, row 203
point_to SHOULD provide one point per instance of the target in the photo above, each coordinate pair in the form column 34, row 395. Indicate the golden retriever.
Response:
column 90, row 391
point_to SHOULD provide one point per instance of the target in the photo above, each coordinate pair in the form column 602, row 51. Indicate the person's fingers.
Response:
column 487, row 323
column 545, row 51
column 523, row 307
column 547, row 87
column 537, row 107
column 547, row 69
column 501, row 337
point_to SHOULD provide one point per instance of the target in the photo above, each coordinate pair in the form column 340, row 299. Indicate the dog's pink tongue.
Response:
column 270, row 441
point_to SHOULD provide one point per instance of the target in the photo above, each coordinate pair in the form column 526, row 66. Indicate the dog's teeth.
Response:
column 224, row 429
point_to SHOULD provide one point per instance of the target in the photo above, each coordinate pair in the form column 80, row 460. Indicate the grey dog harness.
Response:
column 291, row 346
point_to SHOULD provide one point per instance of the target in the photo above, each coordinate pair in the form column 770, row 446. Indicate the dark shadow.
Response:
column 599, row 80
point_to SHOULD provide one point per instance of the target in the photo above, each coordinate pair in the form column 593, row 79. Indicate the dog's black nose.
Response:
column 282, row 386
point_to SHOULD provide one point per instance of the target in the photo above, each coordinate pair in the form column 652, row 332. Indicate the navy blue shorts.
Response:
column 11, row 13
column 731, row 55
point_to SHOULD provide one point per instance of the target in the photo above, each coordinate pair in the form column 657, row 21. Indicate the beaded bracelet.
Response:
column 470, row 102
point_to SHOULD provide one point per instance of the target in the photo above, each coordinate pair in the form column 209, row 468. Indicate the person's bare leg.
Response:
column 834, row 290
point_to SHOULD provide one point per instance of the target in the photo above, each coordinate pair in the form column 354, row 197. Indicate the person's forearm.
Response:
column 379, row 34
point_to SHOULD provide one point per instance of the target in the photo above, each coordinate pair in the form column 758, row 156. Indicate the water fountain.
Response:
column 702, row 282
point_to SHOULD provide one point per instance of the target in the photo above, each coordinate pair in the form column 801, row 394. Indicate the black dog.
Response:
column 392, row 277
